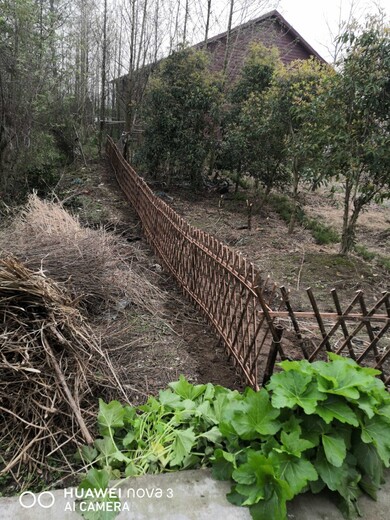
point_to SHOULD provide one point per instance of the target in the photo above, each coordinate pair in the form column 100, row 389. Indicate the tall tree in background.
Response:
column 242, row 123
column 180, row 101
column 351, row 124
column 29, row 83
column 103, row 93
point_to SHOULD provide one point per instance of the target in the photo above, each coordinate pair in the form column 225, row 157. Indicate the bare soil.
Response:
column 178, row 341
column 295, row 260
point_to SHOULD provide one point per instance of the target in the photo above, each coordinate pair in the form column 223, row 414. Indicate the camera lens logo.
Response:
column 45, row 500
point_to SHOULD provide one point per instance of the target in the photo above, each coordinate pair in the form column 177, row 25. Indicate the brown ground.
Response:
column 179, row 342
column 176, row 342
column 296, row 261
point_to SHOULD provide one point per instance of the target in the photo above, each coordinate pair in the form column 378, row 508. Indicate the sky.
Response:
column 311, row 18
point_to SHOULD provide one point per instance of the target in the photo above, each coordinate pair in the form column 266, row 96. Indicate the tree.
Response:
column 351, row 125
column 294, row 92
column 29, row 82
column 177, row 115
column 241, row 125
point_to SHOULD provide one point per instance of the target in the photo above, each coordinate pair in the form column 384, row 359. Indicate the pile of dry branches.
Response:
column 70, row 301
column 94, row 263
column 52, row 369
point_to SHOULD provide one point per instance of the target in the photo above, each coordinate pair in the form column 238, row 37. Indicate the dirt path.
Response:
column 177, row 342
column 181, row 342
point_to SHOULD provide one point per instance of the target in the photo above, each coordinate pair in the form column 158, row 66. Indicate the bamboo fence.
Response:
column 253, row 318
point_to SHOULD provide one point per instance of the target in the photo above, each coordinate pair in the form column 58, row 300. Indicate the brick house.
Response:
column 270, row 29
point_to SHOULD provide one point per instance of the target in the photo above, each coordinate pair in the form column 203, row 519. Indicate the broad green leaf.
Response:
column 295, row 471
column 366, row 371
column 314, row 427
column 186, row 389
column 88, row 453
column 376, row 430
column 292, row 425
column 274, row 504
column 97, row 481
column 342, row 376
column 251, row 492
column 335, row 407
column 334, row 448
column 332, row 476
column 384, row 411
column 234, row 497
column 209, row 393
column 131, row 470
column 130, row 414
column 228, row 431
column 257, row 483
column 109, row 450
column 371, row 467
column 212, row 435
column 206, row 412
column 105, row 447
column 128, row 438
column 257, row 468
column 151, row 405
column 303, row 366
column 257, row 417
column 293, row 444
column 224, row 464
column 290, row 389
column 169, row 399
column 224, row 405
column 110, row 416
column 182, row 445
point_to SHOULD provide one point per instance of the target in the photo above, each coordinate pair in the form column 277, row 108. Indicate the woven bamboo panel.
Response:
column 255, row 320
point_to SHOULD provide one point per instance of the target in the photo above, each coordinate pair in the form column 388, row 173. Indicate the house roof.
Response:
column 271, row 15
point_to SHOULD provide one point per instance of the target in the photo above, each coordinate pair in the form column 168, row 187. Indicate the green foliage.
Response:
column 178, row 113
column 316, row 425
column 257, row 73
column 249, row 144
column 349, row 134
column 32, row 102
column 322, row 233
column 368, row 256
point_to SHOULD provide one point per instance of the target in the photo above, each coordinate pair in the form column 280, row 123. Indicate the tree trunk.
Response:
column 294, row 212
column 206, row 36
column 228, row 34
column 349, row 221
column 186, row 13
column 103, row 82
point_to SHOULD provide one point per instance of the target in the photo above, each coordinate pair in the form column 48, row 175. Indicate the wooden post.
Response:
column 273, row 352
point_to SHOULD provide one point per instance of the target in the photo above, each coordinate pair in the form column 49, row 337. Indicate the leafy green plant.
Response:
column 368, row 256
column 322, row 233
column 316, row 425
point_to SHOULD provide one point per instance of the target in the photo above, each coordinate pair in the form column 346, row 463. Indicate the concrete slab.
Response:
column 186, row 495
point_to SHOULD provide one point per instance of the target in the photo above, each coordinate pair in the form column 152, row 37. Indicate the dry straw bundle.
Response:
column 94, row 262
column 64, row 340
column 51, row 368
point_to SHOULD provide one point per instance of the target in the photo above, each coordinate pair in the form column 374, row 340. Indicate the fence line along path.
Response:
column 255, row 319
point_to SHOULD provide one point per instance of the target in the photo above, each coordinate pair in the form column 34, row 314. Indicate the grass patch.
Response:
column 322, row 234
column 284, row 207
column 364, row 253
column 369, row 256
